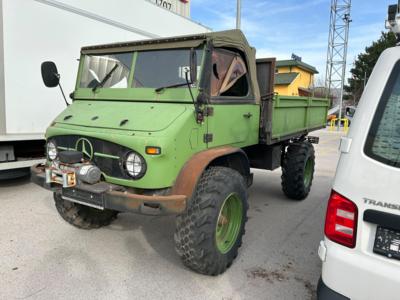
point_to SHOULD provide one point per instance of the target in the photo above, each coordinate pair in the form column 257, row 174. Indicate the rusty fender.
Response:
column 191, row 172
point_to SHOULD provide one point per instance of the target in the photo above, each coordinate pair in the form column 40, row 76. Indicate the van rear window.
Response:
column 383, row 141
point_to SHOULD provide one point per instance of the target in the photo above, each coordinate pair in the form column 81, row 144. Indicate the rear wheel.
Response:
column 82, row 216
column 298, row 170
column 209, row 234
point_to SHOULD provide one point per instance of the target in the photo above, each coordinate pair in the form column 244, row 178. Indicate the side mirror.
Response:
column 50, row 75
column 193, row 65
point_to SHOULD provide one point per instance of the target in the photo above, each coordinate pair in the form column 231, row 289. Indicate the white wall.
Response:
column 35, row 31
column 181, row 7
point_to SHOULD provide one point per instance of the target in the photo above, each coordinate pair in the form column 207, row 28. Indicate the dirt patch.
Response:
column 308, row 286
column 285, row 273
column 287, row 267
column 270, row 276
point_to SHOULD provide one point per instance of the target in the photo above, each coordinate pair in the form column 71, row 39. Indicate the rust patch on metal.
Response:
column 125, row 201
column 171, row 204
column 189, row 175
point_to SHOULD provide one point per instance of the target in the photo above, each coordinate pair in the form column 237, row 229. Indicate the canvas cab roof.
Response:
column 224, row 39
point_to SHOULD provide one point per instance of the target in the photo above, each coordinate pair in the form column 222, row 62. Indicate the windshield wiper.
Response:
column 169, row 86
column 101, row 83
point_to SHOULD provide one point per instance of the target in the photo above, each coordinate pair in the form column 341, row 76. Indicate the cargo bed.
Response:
column 292, row 116
column 286, row 117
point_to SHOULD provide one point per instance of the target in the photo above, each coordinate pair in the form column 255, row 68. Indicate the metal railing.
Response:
column 333, row 125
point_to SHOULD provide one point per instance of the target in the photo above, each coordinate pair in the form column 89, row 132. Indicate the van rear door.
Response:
column 369, row 168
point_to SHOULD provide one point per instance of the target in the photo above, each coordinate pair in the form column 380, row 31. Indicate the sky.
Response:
column 278, row 28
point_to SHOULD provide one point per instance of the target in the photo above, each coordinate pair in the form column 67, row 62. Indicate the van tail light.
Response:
column 341, row 220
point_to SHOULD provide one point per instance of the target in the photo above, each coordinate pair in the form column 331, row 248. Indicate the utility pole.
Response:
column 238, row 14
column 337, row 49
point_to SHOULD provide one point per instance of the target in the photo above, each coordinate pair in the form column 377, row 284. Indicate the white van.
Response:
column 361, row 248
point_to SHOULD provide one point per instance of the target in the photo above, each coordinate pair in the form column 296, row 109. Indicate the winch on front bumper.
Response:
column 104, row 195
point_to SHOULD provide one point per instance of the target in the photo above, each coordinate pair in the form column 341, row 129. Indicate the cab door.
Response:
column 233, row 114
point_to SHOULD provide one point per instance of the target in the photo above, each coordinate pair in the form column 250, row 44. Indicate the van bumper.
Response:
column 325, row 293
column 359, row 273
column 104, row 195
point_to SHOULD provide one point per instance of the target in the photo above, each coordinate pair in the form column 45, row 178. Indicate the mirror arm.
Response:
column 62, row 92
column 199, row 113
column 193, row 66
column 61, row 89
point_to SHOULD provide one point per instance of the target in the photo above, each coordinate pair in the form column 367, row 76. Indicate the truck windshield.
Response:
column 160, row 68
column 153, row 69
column 383, row 141
column 96, row 68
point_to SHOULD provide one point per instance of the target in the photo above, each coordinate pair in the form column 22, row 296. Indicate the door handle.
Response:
column 248, row 115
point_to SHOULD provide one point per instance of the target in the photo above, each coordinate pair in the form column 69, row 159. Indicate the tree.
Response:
column 365, row 62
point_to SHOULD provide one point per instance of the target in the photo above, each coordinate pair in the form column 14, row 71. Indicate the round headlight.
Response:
column 135, row 165
column 51, row 150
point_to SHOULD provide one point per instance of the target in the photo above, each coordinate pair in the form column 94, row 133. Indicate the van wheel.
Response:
column 298, row 170
column 82, row 216
column 209, row 234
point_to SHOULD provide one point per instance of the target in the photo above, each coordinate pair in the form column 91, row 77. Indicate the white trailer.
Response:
column 33, row 31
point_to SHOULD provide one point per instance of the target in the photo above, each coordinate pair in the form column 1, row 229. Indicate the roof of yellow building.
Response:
column 296, row 63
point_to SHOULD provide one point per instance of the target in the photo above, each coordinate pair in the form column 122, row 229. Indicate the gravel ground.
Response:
column 42, row 257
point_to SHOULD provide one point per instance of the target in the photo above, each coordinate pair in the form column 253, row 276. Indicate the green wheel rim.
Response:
column 229, row 223
column 308, row 172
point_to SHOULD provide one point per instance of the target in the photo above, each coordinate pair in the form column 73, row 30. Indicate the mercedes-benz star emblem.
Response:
column 83, row 145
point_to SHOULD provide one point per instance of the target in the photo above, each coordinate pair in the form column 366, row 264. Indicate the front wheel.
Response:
column 209, row 234
column 298, row 170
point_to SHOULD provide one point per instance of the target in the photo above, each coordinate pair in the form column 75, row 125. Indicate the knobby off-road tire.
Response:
column 81, row 216
column 209, row 234
column 298, row 170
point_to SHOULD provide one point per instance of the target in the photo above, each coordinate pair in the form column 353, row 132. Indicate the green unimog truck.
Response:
column 174, row 126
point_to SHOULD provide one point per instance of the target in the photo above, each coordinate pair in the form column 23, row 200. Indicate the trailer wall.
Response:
column 34, row 31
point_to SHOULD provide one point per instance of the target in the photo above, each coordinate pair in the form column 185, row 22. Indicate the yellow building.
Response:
column 294, row 78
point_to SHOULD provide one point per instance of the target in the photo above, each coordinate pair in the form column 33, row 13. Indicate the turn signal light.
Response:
column 341, row 220
column 153, row 150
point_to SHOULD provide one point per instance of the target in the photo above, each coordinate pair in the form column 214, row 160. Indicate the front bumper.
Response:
column 113, row 197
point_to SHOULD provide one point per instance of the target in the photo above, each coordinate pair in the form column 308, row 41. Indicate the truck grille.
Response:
column 106, row 155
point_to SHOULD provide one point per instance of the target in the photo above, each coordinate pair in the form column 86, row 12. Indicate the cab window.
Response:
column 229, row 75
column 383, row 141
column 97, row 67
column 158, row 68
